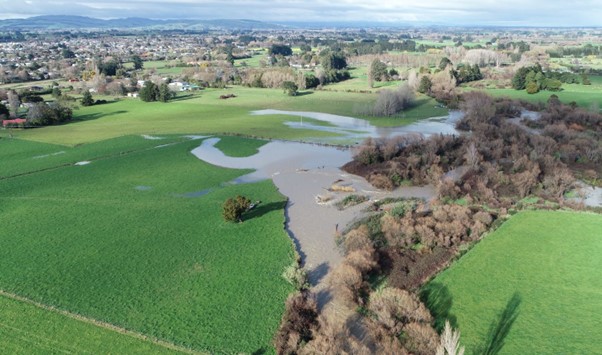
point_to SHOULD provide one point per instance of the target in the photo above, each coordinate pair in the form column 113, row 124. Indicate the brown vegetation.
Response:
column 504, row 161
column 298, row 322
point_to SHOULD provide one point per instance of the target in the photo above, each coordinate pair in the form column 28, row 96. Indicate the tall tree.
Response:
column 138, row 63
column 333, row 61
column 378, row 71
column 281, row 49
column 87, row 99
column 4, row 112
column 425, row 85
column 13, row 103
column 290, row 88
column 164, row 93
column 444, row 63
column 149, row 92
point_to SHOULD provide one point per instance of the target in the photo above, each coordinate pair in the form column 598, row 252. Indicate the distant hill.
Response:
column 58, row 22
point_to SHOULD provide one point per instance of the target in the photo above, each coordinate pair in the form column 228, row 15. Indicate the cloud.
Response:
column 458, row 12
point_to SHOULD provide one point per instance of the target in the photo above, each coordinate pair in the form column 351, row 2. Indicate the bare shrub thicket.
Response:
column 391, row 311
column 398, row 311
column 388, row 102
column 443, row 85
column 272, row 78
column 299, row 321
column 504, row 161
column 484, row 57
column 402, row 60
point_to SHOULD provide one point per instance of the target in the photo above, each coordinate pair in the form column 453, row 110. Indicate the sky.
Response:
column 402, row 12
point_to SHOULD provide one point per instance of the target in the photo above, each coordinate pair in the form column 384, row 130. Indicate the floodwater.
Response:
column 303, row 172
column 358, row 129
column 274, row 157
column 590, row 195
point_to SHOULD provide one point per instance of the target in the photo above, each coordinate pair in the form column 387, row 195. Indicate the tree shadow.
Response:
column 418, row 102
column 263, row 209
column 316, row 274
column 183, row 97
column 438, row 300
column 260, row 351
column 94, row 116
column 323, row 297
column 500, row 327
column 304, row 93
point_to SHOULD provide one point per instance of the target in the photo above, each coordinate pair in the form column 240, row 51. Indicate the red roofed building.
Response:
column 16, row 121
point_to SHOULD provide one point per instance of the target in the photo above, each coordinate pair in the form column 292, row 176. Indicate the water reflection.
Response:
column 358, row 129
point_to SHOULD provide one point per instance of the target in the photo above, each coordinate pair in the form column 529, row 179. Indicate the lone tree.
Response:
column 4, row 112
column 149, row 92
column 87, row 99
column 281, row 49
column 425, row 85
column 378, row 71
column 13, row 103
column 138, row 63
column 233, row 208
column 290, row 88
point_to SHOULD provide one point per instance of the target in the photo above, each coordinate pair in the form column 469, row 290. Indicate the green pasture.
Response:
column 27, row 329
column 583, row 95
column 204, row 112
column 534, row 284
column 131, row 240
column 423, row 107
column 238, row 146
column 23, row 157
column 587, row 62
column 162, row 67
column 253, row 62
column 359, row 82
column 447, row 43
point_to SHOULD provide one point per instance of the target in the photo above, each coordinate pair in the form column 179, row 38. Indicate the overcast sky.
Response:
column 453, row 12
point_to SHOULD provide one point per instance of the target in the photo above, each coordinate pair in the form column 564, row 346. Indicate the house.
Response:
column 16, row 122
column 179, row 86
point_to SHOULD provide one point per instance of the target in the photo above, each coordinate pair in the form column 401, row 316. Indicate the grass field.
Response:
column 161, row 67
column 27, row 329
column 239, row 147
column 359, row 82
column 119, row 241
column 204, row 112
column 22, row 157
column 583, row 95
column 551, row 261
column 253, row 62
